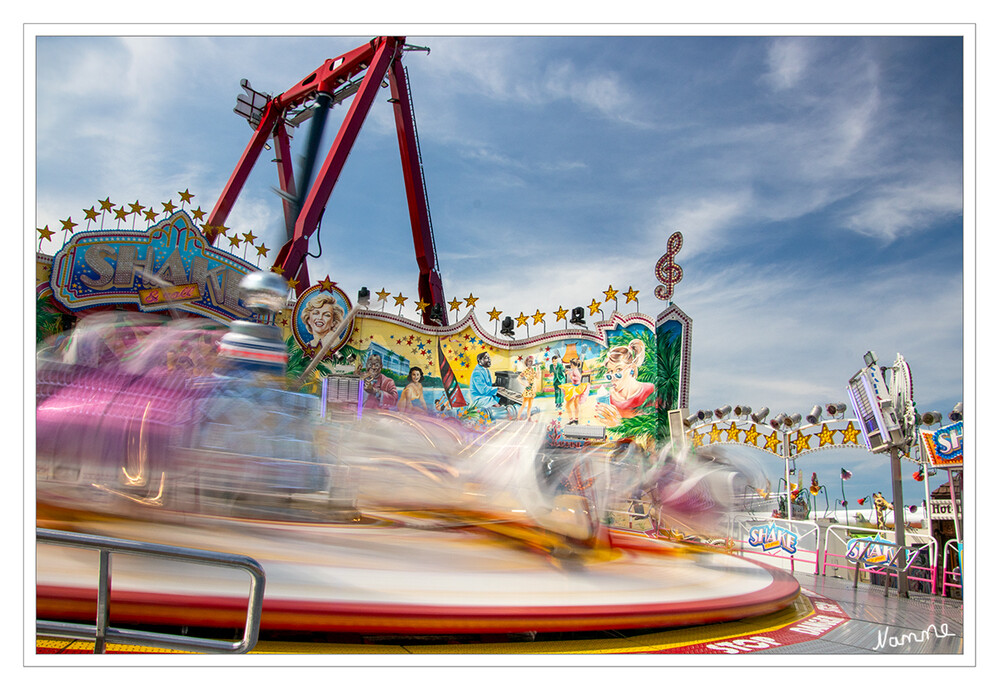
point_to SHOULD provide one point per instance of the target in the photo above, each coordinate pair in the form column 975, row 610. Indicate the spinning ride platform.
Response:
column 381, row 578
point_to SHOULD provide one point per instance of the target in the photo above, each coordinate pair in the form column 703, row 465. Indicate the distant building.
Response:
column 390, row 360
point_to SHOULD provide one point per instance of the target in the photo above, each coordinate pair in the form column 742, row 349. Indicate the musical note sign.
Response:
column 667, row 271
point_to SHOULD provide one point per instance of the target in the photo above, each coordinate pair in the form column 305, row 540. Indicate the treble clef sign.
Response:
column 668, row 272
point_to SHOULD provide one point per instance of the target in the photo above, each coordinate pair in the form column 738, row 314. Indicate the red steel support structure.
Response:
column 379, row 59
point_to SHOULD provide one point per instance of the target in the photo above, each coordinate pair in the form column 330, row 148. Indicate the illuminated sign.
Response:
column 169, row 266
column 944, row 447
column 879, row 552
column 770, row 537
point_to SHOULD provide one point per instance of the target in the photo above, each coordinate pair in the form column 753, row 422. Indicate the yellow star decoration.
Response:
column 594, row 307
column 90, row 213
column 850, row 434
column 249, row 237
column 801, row 442
column 773, row 441
column 400, row 300
column 135, row 208
column 521, row 320
column 327, row 285
column 185, row 196
column 198, row 213
column 68, row 224
column 539, row 316
column 277, row 269
column 168, row 207
column 696, row 440
column 383, row 295
column 494, row 314
column 751, row 435
column 262, row 250
column 293, row 283
column 470, row 301
column 222, row 230
column 610, row 293
column 715, row 433
column 234, row 241
column 121, row 213
column 106, row 205
column 454, row 304
column 733, row 433
column 45, row 233
column 632, row 295
column 151, row 215
column 421, row 305
column 560, row 313
column 826, row 436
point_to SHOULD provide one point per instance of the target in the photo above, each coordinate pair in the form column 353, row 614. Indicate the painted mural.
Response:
column 615, row 382
column 606, row 384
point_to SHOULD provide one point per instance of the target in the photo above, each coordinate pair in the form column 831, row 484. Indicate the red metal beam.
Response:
column 293, row 253
column 430, row 286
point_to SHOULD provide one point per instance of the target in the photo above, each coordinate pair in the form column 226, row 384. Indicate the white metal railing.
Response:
column 102, row 632
column 777, row 539
column 952, row 548
column 839, row 536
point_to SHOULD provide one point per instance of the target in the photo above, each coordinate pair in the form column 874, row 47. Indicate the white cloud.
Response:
column 788, row 60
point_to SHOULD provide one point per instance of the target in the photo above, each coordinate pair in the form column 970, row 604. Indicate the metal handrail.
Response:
column 892, row 564
column 102, row 632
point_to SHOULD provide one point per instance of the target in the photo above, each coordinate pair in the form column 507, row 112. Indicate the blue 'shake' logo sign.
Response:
column 770, row 537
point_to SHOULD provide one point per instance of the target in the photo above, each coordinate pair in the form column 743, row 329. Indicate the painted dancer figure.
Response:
column 557, row 370
column 575, row 390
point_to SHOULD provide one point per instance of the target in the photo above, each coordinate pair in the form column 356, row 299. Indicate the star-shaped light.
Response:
column 46, row 233
column 470, row 301
column 107, row 204
column 594, row 307
column 733, row 433
column 249, row 237
column 135, row 208
column 826, row 436
column 801, row 442
column 90, row 213
column 234, row 241
column 773, row 441
column 521, row 320
column 560, row 313
column 715, row 433
column 262, row 250
column 850, row 434
column 696, row 440
column 751, row 435
column 400, row 300
column 383, row 294
column 68, row 224
column 198, row 213
column 494, row 314
column 539, row 316
column 610, row 293
column 631, row 294
column 185, row 196
column 326, row 284
column 454, row 305
column 421, row 305
column 151, row 214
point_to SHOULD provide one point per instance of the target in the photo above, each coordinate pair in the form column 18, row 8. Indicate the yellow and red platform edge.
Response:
column 809, row 617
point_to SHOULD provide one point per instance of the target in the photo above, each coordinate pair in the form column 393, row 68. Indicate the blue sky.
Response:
column 818, row 183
